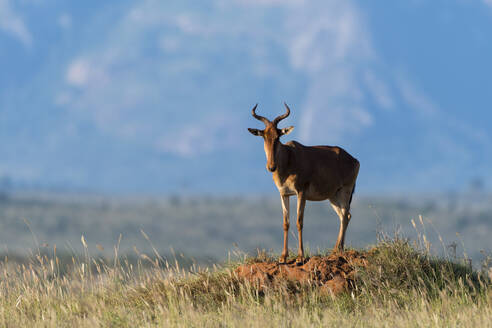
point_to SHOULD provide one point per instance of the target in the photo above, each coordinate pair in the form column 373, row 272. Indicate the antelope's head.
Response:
column 271, row 136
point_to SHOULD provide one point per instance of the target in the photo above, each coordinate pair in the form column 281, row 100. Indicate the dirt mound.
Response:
column 333, row 274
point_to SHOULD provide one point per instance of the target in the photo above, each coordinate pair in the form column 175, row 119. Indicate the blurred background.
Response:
column 130, row 116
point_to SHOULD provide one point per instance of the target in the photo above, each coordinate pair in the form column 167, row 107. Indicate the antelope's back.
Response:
column 327, row 165
column 338, row 161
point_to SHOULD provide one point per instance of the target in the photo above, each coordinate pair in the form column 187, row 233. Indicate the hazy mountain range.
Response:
column 155, row 96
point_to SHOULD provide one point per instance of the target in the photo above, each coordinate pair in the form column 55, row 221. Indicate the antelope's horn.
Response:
column 258, row 117
column 281, row 117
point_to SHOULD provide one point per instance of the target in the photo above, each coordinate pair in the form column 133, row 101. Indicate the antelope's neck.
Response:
column 283, row 177
column 282, row 159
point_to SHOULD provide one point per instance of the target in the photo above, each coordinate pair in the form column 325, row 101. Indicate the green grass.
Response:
column 402, row 287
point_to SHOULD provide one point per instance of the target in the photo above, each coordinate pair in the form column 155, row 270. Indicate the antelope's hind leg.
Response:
column 341, row 205
column 285, row 212
column 301, row 204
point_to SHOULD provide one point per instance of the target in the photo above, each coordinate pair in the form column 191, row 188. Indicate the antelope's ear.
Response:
column 255, row 132
column 286, row 131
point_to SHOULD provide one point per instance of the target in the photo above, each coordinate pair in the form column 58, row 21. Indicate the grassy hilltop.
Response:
column 95, row 283
column 402, row 286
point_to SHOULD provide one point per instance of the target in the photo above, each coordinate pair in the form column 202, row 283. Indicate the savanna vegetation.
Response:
column 402, row 286
column 72, row 276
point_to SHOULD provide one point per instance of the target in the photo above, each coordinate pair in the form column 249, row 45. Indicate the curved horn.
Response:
column 258, row 117
column 281, row 117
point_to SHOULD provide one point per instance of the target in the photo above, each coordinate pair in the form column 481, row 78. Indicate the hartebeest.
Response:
column 312, row 173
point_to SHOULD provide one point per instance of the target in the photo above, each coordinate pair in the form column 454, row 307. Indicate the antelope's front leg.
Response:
column 301, row 203
column 285, row 211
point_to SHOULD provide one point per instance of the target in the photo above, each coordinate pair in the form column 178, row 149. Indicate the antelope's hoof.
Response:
column 282, row 259
column 300, row 260
column 338, row 250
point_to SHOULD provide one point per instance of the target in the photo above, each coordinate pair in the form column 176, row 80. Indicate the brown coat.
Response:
column 312, row 173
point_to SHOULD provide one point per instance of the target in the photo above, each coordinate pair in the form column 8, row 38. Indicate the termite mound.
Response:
column 333, row 274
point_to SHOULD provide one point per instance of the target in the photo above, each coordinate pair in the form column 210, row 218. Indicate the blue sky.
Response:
column 155, row 96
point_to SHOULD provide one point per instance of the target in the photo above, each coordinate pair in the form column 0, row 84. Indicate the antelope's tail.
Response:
column 352, row 194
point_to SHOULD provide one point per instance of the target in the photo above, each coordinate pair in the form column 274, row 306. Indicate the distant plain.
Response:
column 213, row 228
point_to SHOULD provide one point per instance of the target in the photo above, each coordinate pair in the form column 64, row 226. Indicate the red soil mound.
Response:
column 333, row 274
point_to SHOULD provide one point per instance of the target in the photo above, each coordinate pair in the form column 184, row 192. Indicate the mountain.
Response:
column 154, row 96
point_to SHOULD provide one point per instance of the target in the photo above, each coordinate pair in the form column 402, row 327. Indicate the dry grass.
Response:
column 402, row 287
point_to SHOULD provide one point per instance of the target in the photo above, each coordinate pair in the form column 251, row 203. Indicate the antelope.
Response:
column 313, row 173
